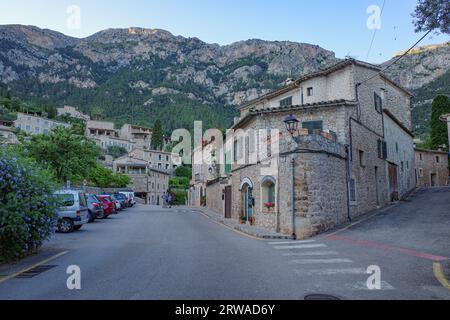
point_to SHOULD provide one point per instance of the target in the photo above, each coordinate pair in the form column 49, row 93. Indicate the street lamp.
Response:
column 291, row 123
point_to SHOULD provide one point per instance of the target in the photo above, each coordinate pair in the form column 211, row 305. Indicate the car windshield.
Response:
column 120, row 197
column 91, row 198
column 66, row 200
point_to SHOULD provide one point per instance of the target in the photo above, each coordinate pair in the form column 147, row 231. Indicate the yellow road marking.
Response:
column 232, row 229
column 437, row 270
column 33, row 266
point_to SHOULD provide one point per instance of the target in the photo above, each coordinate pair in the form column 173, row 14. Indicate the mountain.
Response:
column 139, row 75
column 426, row 72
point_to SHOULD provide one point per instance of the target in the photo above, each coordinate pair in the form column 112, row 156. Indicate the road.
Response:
column 155, row 253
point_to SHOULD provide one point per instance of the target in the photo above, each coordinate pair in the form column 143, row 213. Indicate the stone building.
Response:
column 7, row 133
column 148, row 183
column 400, row 157
column 34, row 124
column 446, row 118
column 431, row 168
column 72, row 112
column 340, row 151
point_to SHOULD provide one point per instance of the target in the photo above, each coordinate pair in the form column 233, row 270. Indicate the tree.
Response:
column 103, row 177
column 184, row 172
column 439, row 130
column 116, row 151
column 69, row 155
column 158, row 136
column 432, row 15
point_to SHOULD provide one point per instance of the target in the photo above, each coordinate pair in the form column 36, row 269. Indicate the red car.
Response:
column 109, row 206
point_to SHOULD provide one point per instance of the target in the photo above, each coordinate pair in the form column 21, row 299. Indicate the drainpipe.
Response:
column 347, row 151
column 293, row 156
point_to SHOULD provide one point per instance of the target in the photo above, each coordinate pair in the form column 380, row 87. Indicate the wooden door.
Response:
column 228, row 202
column 393, row 182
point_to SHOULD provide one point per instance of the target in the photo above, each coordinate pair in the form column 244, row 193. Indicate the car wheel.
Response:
column 91, row 217
column 76, row 228
column 65, row 225
column 101, row 215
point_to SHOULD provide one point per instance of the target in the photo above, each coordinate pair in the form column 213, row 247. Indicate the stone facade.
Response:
column 72, row 112
column 400, row 155
column 431, row 168
column 340, row 171
column 33, row 124
column 446, row 118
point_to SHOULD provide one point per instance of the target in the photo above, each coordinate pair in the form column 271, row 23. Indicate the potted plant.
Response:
column 269, row 205
column 252, row 220
column 242, row 219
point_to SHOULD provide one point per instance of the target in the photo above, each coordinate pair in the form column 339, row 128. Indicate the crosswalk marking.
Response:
column 300, row 246
column 330, row 272
column 310, row 253
column 323, row 261
column 292, row 242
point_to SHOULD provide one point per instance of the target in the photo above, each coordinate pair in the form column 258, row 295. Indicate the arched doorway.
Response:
column 247, row 199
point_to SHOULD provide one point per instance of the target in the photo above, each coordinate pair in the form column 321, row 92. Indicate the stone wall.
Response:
column 214, row 197
column 400, row 151
column 427, row 165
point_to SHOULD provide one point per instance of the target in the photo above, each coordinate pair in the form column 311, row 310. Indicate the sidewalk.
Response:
column 245, row 228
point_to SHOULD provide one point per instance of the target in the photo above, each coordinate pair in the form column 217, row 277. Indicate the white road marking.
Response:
column 330, row 272
column 292, row 242
column 300, row 246
column 324, row 261
column 361, row 285
column 310, row 253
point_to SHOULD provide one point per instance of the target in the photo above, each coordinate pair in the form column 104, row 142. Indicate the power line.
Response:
column 399, row 58
column 375, row 32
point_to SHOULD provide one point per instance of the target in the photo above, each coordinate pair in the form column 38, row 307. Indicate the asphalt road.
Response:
column 155, row 253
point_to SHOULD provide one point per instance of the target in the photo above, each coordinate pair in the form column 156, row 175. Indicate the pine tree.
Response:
column 439, row 130
column 158, row 136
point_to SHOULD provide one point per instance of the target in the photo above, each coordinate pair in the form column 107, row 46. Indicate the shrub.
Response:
column 27, row 206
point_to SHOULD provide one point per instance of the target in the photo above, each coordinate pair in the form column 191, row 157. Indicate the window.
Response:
column 402, row 166
column 268, row 192
column 28, row 128
column 352, row 189
column 396, row 147
column 310, row 92
column 437, row 159
column 286, row 102
column 421, row 156
column 312, row 126
column 382, row 150
column 37, row 130
column 167, row 158
column 420, row 172
column 378, row 102
column 46, row 131
column 362, row 160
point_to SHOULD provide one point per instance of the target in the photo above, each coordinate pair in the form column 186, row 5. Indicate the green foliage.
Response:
column 439, row 131
column 27, row 205
column 116, row 151
column 102, row 177
column 71, row 156
column 179, row 183
column 432, row 15
column 158, row 136
column 179, row 197
column 184, row 172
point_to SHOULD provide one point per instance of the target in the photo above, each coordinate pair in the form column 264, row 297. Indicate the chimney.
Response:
column 288, row 81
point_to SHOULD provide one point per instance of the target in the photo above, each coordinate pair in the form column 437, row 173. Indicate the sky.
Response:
column 337, row 25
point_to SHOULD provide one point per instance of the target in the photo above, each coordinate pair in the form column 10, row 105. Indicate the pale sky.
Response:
column 340, row 26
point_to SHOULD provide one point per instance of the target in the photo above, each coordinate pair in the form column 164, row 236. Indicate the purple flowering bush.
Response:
column 27, row 206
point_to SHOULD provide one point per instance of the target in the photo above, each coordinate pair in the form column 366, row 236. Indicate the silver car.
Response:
column 73, row 213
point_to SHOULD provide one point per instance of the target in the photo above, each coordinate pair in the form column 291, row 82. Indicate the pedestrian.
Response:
column 164, row 200
column 169, row 200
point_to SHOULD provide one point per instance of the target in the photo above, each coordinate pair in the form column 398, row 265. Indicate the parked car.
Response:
column 116, row 202
column 122, row 200
column 73, row 213
column 108, row 205
column 130, row 197
column 95, row 207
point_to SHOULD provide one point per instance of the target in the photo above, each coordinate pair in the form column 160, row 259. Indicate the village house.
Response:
column 35, row 124
column 149, row 170
column 432, row 168
column 446, row 118
column 7, row 132
column 72, row 112
column 346, row 160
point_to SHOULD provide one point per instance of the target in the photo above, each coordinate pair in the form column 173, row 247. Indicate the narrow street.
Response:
column 155, row 253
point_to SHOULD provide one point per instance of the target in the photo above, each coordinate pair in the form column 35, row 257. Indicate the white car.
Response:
column 73, row 213
column 130, row 196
